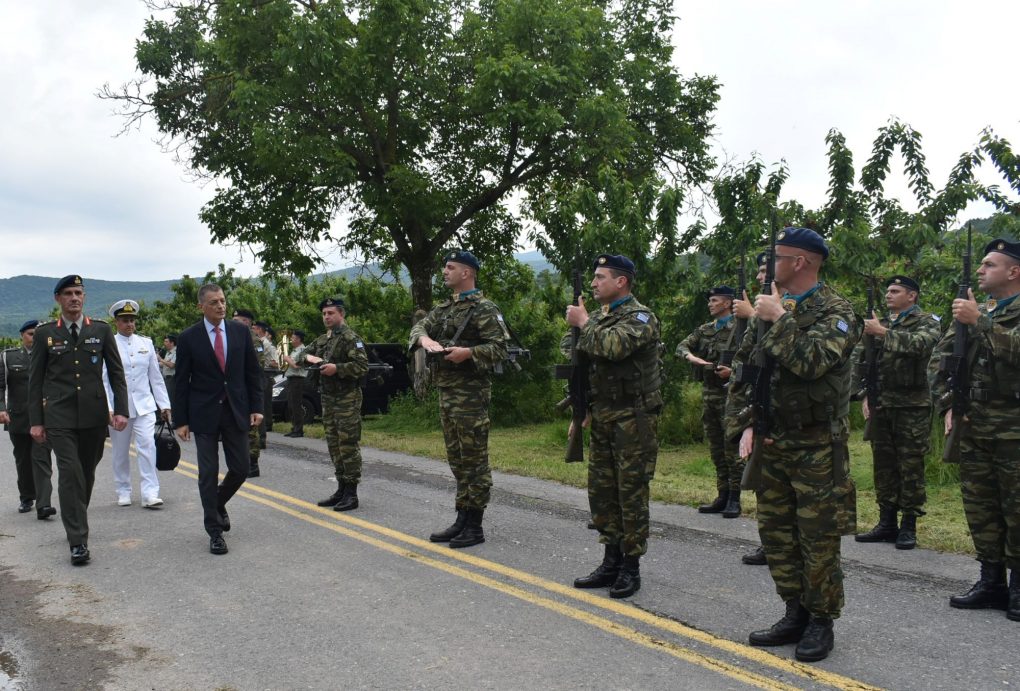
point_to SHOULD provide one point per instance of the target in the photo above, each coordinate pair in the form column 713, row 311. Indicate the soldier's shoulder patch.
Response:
column 936, row 317
column 843, row 326
column 499, row 316
column 642, row 317
column 359, row 344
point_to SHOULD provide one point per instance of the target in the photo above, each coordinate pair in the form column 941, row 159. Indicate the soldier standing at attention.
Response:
column 805, row 462
column 270, row 368
column 32, row 460
column 621, row 341
column 990, row 443
column 255, row 444
column 67, row 403
column 342, row 361
column 901, row 426
column 466, row 336
column 704, row 349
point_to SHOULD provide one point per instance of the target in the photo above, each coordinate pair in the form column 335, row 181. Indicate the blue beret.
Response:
column 1010, row 249
column 262, row 325
column 803, row 238
column 905, row 281
column 331, row 302
column 462, row 257
column 67, row 282
column 30, row 324
column 722, row 291
column 617, row 262
column 762, row 258
column 247, row 314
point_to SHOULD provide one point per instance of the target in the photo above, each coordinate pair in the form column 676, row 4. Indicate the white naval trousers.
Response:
column 142, row 430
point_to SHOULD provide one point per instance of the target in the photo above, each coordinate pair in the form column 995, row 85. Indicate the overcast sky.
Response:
column 76, row 198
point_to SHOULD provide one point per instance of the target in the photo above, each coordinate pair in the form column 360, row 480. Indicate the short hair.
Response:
column 299, row 333
column 172, row 338
column 206, row 289
column 616, row 273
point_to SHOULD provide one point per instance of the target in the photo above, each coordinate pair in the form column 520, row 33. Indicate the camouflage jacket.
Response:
column 345, row 349
column 624, row 355
column 709, row 343
column 485, row 334
column 811, row 346
column 994, row 359
column 902, row 357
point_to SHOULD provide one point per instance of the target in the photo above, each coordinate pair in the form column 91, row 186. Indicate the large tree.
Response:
column 400, row 127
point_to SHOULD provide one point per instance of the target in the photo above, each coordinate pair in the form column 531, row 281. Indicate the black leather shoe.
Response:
column 787, row 630
column 80, row 554
column 349, row 499
column 295, row 435
column 817, row 641
column 44, row 512
column 884, row 531
column 217, row 545
column 907, row 537
column 628, row 581
column 1013, row 609
column 453, row 531
column 225, row 520
column 989, row 592
column 25, row 506
column 755, row 558
column 732, row 509
column 718, row 505
column 333, row 499
column 606, row 572
column 472, row 533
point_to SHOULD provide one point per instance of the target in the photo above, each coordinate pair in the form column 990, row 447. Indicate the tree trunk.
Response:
column 421, row 270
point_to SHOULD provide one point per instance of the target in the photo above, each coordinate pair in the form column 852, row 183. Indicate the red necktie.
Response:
column 218, row 349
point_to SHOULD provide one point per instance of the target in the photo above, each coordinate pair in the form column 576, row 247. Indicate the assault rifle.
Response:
column 576, row 374
column 870, row 382
column 740, row 326
column 955, row 367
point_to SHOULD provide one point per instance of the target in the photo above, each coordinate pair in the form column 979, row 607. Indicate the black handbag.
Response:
column 168, row 450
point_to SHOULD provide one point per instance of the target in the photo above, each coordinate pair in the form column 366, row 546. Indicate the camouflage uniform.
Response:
column 254, row 431
column 708, row 342
column 990, row 443
column 341, row 398
column 465, row 388
column 623, row 348
column 806, row 498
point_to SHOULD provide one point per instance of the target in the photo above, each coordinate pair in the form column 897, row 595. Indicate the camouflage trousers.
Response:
column 990, row 484
column 729, row 467
column 900, row 439
column 254, row 443
column 799, row 526
column 464, row 412
column 621, row 464
column 341, row 421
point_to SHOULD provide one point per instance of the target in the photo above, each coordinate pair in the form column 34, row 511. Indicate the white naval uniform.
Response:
column 146, row 393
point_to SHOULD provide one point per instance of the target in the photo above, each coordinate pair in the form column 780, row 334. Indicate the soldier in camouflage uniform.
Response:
column 805, row 500
column 465, row 338
column 621, row 342
column 704, row 349
column 901, row 426
column 270, row 360
column 342, row 362
column 990, row 440
column 247, row 318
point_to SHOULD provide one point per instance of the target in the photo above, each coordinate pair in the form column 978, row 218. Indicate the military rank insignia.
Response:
column 790, row 304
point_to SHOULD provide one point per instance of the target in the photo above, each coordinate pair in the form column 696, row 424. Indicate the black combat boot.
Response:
column 333, row 499
column 1013, row 611
column 718, row 505
column 453, row 531
column 885, row 531
column 606, row 573
column 907, row 537
column 472, row 533
column 989, row 592
column 787, row 630
column 348, row 500
column 628, row 581
column 732, row 509
column 253, row 467
column 817, row 640
column 755, row 558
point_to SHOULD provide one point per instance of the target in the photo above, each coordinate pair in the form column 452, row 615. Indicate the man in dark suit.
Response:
column 218, row 397
column 67, row 403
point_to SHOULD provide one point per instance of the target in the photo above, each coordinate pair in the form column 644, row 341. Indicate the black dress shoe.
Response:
column 25, row 506
column 217, row 545
column 80, row 554
column 44, row 512
column 225, row 520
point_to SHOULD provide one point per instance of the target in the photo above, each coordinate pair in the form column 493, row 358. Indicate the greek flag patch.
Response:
column 499, row 316
column 359, row 344
column 936, row 317
column 641, row 317
column 842, row 326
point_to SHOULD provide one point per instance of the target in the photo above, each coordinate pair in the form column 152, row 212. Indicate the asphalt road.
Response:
column 310, row 598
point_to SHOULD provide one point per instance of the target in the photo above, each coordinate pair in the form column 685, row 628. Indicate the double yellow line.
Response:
column 400, row 544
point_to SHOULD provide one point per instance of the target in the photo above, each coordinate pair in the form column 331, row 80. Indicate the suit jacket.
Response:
column 202, row 386
column 146, row 388
column 14, row 364
column 65, row 387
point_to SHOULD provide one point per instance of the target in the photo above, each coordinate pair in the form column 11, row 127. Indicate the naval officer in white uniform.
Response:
column 146, row 394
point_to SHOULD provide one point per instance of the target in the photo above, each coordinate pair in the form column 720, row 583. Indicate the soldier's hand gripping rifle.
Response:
column 740, row 326
column 870, row 369
column 956, row 368
column 576, row 374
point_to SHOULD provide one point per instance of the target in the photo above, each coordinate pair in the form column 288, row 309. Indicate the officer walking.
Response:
column 341, row 359
column 32, row 459
column 67, row 403
column 621, row 341
column 990, row 441
column 704, row 349
column 901, row 425
column 466, row 339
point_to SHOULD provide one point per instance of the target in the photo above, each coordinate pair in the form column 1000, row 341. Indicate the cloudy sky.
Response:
column 75, row 197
